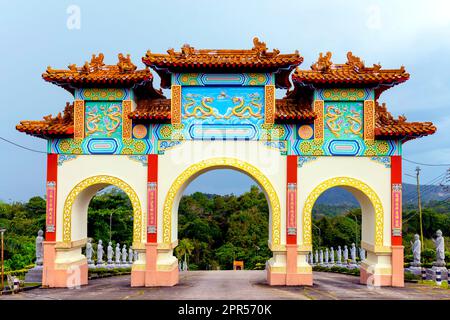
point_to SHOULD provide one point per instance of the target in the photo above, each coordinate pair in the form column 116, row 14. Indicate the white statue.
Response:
column 327, row 255
column 124, row 254
column 321, row 256
column 316, row 257
column 440, row 250
column 118, row 253
column 417, row 250
column 362, row 254
column 130, row 255
column 332, row 255
column 353, row 253
column 39, row 248
column 110, row 253
column 345, row 254
column 89, row 251
column 100, row 252
column 311, row 261
column 136, row 255
column 339, row 255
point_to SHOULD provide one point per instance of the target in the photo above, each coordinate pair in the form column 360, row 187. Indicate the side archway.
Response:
column 219, row 163
column 101, row 181
column 350, row 183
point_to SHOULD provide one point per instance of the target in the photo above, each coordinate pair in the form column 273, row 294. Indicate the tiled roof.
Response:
column 256, row 59
column 353, row 72
column 59, row 126
column 386, row 127
column 96, row 73
column 155, row 109
column 290, row 109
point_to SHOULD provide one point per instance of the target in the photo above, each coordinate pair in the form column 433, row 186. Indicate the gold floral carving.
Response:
column 269, row 98
column 318, row 122
column 103, row 179
column 343, row 181
column 175, row 108
column 222, row 162
column 126, row 122
column 369, row 120
column 78, row 122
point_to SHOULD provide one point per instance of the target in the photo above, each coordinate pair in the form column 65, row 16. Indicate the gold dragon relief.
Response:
column 223, row 106
column 344, row 121
column 103, row 119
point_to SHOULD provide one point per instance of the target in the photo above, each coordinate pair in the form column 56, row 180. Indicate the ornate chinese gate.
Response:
column 329, row 130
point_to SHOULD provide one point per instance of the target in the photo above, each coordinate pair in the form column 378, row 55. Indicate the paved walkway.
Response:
column 223, row 285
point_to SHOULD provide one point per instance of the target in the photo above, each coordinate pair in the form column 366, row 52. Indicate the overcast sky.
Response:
column 411, row 33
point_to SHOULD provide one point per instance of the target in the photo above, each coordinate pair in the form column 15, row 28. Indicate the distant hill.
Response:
column 340, row 197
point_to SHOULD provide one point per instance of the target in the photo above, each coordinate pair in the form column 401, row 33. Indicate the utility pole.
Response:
column 2, row 231
column 419, row 206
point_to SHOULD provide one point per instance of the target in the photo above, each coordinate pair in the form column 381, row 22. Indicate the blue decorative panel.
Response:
column 102, row 146
column 222, row 112
column 103, row 94
column 343, row 147
column 350, row 94
column 223, row 79
column 220, row 131
column 103, row 119
column 343, row 120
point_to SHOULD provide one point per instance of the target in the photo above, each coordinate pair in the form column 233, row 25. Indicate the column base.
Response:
column 148, row 274
column 398, row 271
column 289, row 279
column 378, row 280
column 145, row 278
column 62, row 274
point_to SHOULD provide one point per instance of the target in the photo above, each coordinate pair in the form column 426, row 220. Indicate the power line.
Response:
column 20, row 146
column 427, row 164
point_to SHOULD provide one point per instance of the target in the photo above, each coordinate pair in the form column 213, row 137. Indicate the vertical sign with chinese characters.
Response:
column 291, row 200
column 51, row 192
column 151, row 202
column 396, row 209
column 292, row 208
column 51, row 206
column 152, row 198
column 396, row 200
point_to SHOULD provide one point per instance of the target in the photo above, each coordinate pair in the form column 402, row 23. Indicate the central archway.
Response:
column 170, row 207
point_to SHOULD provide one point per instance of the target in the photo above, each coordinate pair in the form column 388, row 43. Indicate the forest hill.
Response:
column 214, row 230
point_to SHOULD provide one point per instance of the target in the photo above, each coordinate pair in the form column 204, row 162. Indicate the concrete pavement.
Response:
column 236, row 285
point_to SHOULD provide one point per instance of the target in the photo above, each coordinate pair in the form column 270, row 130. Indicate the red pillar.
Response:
column 51, row 189
column 291, row 200
column 152, row 198
column 292, row 278
column 396, row 222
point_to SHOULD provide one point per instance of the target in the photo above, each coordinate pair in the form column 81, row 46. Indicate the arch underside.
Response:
column 101, row 181
column 351, row 184
column 194, row 170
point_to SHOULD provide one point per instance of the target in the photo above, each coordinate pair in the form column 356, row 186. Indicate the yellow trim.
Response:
column 167, row 246
column 222, row 162
column 102, row 179
column 304, row 269
column 270, row 105
column 375, row 249
column 72, row 244
column 175, row 104
column 343, row 181
column 376, row 270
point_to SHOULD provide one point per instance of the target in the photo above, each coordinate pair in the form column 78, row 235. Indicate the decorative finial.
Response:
column 125, row 64
column 323, row 63
column 259, row 46
column 354, row 61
